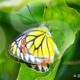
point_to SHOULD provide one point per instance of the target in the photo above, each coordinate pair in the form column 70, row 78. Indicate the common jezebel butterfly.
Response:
column 36, row 47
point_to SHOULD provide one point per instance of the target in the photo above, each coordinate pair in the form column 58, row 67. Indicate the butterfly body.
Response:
column 35, row 46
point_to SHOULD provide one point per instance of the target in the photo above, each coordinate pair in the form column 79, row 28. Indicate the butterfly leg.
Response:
column 39, row 67
column 45, row 65
column 33, row 66
column 45, row 68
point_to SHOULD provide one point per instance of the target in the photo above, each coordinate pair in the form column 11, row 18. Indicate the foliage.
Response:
column 62, row 19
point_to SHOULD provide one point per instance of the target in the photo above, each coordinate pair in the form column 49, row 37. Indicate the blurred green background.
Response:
column 63, row 20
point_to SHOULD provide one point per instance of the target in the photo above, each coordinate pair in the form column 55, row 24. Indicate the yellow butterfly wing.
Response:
column 35, row 46
column 41, row 44
column 38, row 43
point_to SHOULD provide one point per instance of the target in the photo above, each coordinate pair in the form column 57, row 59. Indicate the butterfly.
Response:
column 35, row 47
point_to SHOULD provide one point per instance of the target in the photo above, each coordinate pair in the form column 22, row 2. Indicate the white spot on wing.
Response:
column 45, row 68
column 27, row 57
column 22, row 57
column 32, row 58
column 40, row 67
column 19, row 44
column 38, row 60
column 29, row 44
column 18, row 52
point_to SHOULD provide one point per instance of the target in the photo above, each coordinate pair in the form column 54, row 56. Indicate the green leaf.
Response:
column 64, row 21
column 61, row 22
column 2, row 40
column 30, row 16
column 74, row 1
column 70, row 64
column 12, row 5
column 74, row 4
column 8, row 67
